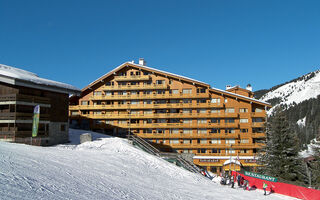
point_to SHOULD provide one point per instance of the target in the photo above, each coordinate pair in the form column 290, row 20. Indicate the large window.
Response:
column 187, row 131
column 186, row 91
column 215, row 110
column 84, row 102
column 230, row 151
column 187, row 121
column 229, row 130
column 201, row 101
column 202, row 110
column 201, row 90
column 202, row 121
column 203, row 141
column 174, row 131
column 215, row 100
column 187, row 100
column 230, row 141
column 202, row 131
column 215, row 130
column 243, row 120
column 229, row 120
column 97, row 93
column 215, row 120
column 186, row 141
column 174, row 141
column 174, row 91
column 229, row 110
column 187, row 110
column 159, row 82
column 216, row 141
column 243, row 110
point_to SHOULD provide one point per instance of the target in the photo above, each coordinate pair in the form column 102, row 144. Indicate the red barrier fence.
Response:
column 283, row 188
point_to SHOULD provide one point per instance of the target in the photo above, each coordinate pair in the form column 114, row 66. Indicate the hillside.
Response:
column 107, row 168
column 300, row 100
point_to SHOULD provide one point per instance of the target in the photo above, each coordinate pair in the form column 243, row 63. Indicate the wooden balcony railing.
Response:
column 24, row 98
column 132, row 78
column 136, row 87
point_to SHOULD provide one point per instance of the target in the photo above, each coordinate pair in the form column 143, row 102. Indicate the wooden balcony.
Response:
column 259, row 135
column 21, row 116
column 24, row 98
column 259, row 114
column 132, row 78
column 160, row 115
column 176, row 125
column 135, row 87
column 149, row 96
column 186, row 136
column 145, row 106
column 218, row 146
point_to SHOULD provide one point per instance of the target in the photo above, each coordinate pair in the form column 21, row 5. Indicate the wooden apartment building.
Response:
column 175, row 113
column 20, row 92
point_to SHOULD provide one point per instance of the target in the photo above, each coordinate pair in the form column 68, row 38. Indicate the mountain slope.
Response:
column 295, row 91
column 107, row 168
column 300, row 100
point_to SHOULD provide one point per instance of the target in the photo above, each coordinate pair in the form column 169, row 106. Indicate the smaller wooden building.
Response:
column 20, row 92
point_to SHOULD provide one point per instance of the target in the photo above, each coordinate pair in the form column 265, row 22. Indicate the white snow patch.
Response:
column 302, row 122
column 106, row 168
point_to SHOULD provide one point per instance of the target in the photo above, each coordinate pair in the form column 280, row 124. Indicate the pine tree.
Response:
column 280, row 156
column 315, row 164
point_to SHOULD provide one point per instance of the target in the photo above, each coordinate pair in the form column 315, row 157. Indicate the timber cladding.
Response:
column 174, row 113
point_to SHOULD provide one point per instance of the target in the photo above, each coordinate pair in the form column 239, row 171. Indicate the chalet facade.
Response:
column 20, row 92
column 175, row 113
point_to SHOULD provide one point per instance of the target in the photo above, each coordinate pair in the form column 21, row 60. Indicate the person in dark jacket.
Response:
column 232, row 181
column 238, row 180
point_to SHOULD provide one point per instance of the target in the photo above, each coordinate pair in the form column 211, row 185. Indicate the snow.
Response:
column 106, row 168
column 295, row 92
column 309, row 151
column 302, row 122
column 20, row 74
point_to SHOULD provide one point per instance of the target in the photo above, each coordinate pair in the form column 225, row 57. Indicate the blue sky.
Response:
column 219, row 42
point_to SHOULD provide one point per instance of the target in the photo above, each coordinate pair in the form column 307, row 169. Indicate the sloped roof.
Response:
column 16, row 76
column 173, row 75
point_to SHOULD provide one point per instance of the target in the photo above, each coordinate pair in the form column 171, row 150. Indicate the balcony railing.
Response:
column 136, row 87
column 24, row 98
column 145, row 106
column 177, row 125
column 149, row 96
column 132, row 78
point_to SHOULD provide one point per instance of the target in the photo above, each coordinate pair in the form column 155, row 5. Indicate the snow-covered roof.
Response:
column 15, row 76
column 231, row 161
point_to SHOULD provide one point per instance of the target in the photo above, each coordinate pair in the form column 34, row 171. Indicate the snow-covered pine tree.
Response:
column 280, row 156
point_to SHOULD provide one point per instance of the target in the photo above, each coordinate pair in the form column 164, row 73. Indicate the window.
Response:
column 215, row 150
column 201, row 150
column 229, row 130
column 243, row 151
column 229, row 120
column 186, row 141
column 148, row 130
column 243, row 120
column 257, row 130
column 186, row 91
column 187, row 151
column 122, row 121
column 243, row 130
column 187, row 131
column 187, row 121
column 174, row 100
column 257, row 119
column 245, row 141
column 134, row 92
column 147, row 112
column 97, row 112
column 258, row 110
column 201, row 90
column 201, row 101
column 187, row 100
column 147, row 121
column 229, row 110
column 108, row 83
column 202, row 131
column 147, row 82
column 230, row 141
column 215, row 120
column 215, row 100
column 203, row 141
column 175, row 141
column 187, row 110
column 161, row 101
column 147, row 92
column 134, row 102
column 174, row 131
column 215, row 110
column 97, row 93
column 215, row 130
column 174, row 91
column 161, row 91
column 160, row 130
column 108, row 93
column 122, row 93
column 230, row 151
column 226, row 100
column 202, row 121
column 84, row 103
column 216, row 141
column 159, row 82
column 243, row 110
column 201, row 110
column 146, row 73
column 147, row 102
column 109, row 121
column 133, row 83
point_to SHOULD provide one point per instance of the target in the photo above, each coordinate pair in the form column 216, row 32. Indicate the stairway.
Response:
column 170, row 157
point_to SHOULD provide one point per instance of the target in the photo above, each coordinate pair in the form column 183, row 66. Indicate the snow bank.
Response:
column 106, row 168
column 302, row 122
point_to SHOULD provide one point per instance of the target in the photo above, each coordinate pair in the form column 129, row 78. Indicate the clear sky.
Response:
column 219, row 42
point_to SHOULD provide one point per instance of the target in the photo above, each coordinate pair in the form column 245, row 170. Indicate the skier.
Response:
column 232, row 181
column 238, row 180
column 264, row 186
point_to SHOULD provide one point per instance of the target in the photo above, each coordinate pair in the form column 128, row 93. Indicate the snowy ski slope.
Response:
column 107, row 168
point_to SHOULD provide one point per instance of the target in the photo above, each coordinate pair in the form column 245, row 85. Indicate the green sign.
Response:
column 35, row 124
column 260, row 176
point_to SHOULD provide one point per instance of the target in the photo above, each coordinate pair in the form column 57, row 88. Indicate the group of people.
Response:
column 242, row 182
